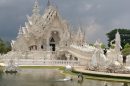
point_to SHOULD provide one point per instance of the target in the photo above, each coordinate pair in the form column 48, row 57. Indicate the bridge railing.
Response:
column 87, row 54
column 34, row 62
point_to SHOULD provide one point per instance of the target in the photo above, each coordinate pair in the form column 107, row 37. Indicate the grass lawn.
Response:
column 63, row 71
column 43, row 67
column 1, row 69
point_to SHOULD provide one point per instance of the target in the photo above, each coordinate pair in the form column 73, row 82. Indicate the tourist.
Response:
column 80, row 76
column 105, row 51
column 124, row 60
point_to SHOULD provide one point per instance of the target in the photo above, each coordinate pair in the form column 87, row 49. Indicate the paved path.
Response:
column 82, row 70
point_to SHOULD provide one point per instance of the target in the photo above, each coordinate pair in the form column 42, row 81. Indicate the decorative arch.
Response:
column 54, row 39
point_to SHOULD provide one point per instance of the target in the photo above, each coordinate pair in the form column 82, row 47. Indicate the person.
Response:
column 80, row 76
column 124, row 60
column 105, row 51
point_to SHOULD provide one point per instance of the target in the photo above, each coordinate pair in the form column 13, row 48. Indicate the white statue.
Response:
column 117, row 42
column 98, row 58
column 117, row 46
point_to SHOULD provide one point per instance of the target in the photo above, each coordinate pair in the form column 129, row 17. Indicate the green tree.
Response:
column 127, row 45
column 124, row 34
column 126, row 50
column 103, row 46
column 4, row 47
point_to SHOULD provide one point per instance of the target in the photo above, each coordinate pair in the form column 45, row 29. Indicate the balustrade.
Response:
column 32, row 62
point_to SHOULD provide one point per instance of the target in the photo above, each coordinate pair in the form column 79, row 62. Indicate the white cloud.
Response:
column 93, row 31
column 88, row 7
column 100, row 16
column 122, row 21
column 99, row 6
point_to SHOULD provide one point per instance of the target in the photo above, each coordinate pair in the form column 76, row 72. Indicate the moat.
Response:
column 49, row 77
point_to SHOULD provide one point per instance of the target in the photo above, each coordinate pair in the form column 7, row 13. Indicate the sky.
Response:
column 97, row 17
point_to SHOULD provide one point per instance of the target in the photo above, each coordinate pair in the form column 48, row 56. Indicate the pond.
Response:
column 48, row 77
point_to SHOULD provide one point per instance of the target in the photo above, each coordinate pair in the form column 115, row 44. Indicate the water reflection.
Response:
column 42, row 77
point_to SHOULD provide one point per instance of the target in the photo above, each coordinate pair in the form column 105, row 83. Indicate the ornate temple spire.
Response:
column 84, row 36
column 117, row 37
column 48, row 3
column 36, row 8
column 117, row 41
column 79, row 33
column 79, row 37
column 20, row 33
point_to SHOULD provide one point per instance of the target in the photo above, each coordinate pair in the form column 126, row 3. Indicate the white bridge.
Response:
column 42, row 58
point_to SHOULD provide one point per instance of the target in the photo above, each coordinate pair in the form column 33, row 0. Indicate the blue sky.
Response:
column 97, row 17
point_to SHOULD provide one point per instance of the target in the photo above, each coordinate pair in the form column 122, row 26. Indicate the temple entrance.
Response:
column 52, row 44
column 54, row 40
column 53, row 47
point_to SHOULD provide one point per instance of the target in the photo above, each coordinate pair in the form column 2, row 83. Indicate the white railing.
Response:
column 83, row 53
column 34, row 62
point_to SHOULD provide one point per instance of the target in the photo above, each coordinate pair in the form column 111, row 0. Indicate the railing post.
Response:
column 46, row 62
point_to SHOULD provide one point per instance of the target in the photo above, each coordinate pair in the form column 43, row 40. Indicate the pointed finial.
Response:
column 48, row 3
column 20, row 31
column 84, row 35
column 36, row 8
column 117, row 30
column 80, row 31
column 117, row 33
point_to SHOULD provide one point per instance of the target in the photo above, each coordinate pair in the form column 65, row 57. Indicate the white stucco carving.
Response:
column 40, row 29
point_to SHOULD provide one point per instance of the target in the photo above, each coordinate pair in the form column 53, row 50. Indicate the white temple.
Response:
column 49, row 37
column 48, row 40
column 45, row 32
column 46, row 36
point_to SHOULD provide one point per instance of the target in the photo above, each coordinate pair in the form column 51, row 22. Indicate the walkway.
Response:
column 101, row 74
